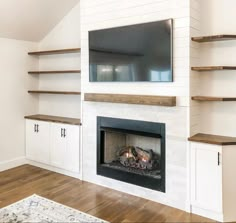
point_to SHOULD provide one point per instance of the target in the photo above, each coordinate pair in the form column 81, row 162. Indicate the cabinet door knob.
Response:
column 64, row 133
column 37, row 128
column 34, row 127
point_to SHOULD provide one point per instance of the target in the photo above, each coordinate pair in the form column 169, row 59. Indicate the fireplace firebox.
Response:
column 131, row 151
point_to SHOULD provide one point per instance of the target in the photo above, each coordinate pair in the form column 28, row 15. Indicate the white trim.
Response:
column 9, row 164
column 54, row 169
column 208, row 214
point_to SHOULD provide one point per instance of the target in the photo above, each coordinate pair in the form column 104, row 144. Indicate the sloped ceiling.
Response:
column 31, row 20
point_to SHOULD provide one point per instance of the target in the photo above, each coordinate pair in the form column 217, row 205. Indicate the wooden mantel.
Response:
column 132, row 99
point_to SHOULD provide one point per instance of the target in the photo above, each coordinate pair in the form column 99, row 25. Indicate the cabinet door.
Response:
column 206, row 176
column 71, row 161
column 58, row 145
column 37, row 141
column 65, row 147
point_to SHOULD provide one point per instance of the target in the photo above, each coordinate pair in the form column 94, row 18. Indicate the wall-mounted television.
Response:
column 140, row 52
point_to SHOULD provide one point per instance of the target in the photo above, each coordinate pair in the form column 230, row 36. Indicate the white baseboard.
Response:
column 208, row 214
column 54, row 169
column 9, row 164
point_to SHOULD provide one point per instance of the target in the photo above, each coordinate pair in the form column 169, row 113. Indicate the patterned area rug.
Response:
column 39, row 209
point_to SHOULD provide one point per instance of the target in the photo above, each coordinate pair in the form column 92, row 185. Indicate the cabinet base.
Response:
column 208, row 214
column 55, row 169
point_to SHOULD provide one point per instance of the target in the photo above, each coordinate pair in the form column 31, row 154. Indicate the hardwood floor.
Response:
column 110, row 205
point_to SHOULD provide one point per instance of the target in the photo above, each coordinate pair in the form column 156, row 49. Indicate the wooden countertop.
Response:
column 56, row 119
column 213, row 139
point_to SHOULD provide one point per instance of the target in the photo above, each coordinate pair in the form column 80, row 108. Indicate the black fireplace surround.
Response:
column 154, row 131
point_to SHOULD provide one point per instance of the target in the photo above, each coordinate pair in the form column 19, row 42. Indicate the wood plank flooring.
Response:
column 110, row 205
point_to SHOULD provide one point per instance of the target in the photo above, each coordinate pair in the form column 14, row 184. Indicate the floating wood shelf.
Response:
column 51, row 52
column 207, row 98
column 212, row 68
column 213, row 139
column 54, row 92
column 56, row 119
column 132, row 99
column 202, row 39
column 55, row 72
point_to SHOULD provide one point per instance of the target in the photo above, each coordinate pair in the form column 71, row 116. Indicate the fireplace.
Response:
column 131, row 151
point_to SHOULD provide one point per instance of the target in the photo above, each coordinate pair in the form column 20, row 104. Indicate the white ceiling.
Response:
column 31, row 19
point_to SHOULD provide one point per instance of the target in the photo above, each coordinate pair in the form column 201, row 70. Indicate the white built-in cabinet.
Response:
column 65, row 146
column 213, row 181
column 53, row 144
column 38, row 141
column 213, row 157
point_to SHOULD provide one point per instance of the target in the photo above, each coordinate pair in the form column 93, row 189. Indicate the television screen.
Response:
column 140, row 52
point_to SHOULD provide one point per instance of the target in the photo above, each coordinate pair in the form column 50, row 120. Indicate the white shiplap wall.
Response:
column 102, row 14
column 105, row 14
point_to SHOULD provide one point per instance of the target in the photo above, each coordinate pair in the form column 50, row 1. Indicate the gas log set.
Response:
column 138, row 158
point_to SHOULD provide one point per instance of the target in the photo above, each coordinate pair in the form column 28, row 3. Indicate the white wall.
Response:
column 101, row 14
column 15, row 101
column 65, row 35
column 217, row 17
column 15, row 82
